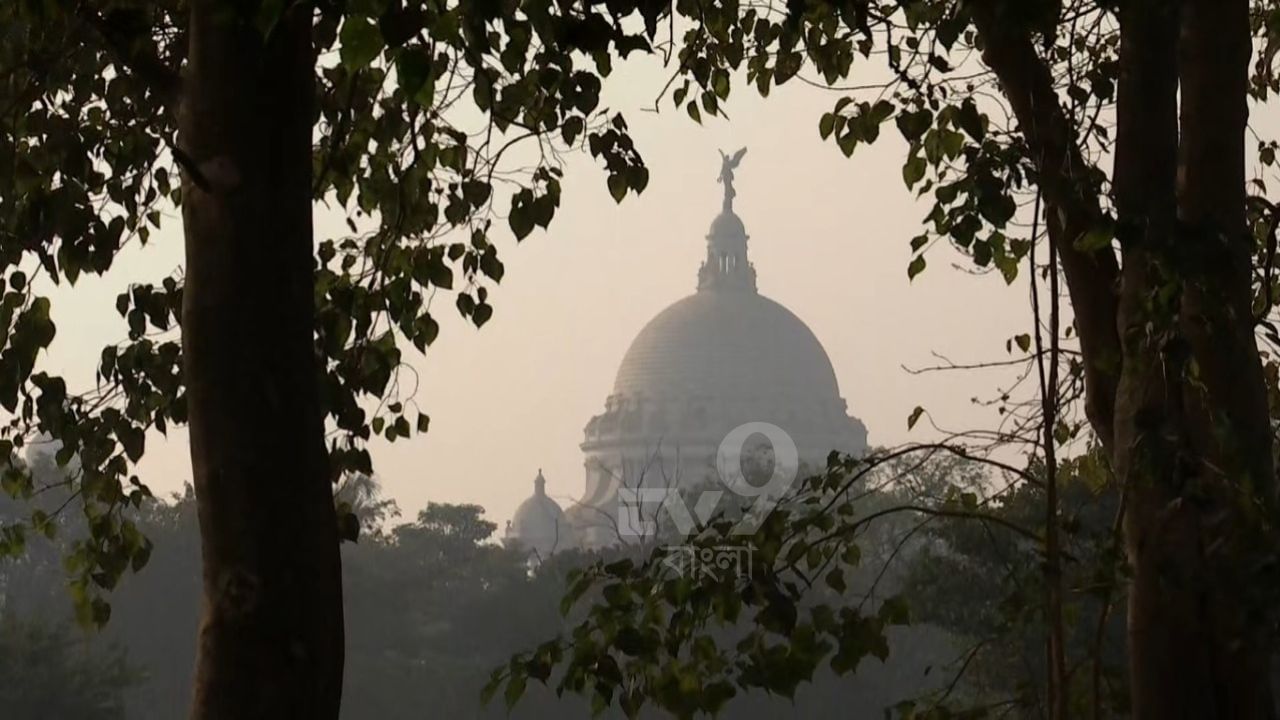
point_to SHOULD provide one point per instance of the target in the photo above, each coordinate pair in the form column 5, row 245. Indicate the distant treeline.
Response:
column 433, row 605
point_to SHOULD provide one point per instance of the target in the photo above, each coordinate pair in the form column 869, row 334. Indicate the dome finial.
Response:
column 540, row 484
column 727, row 165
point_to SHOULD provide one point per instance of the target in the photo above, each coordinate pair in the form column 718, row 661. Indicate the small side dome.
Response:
column 539, row 525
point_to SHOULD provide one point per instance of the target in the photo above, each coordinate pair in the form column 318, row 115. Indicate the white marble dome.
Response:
column 710, row 362
column 733, row 344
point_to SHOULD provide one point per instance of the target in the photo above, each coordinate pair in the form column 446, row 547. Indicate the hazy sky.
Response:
column 829, row 239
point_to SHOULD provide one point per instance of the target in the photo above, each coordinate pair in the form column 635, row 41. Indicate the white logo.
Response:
column 633, row 521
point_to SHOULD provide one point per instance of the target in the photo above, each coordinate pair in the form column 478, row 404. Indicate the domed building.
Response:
column 539, row 525
column 718, row 359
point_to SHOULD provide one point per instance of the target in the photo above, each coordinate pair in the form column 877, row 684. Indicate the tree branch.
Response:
column 1071, row 201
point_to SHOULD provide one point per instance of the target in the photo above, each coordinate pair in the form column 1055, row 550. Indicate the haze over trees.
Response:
column 432, row 604
column 1120, row 127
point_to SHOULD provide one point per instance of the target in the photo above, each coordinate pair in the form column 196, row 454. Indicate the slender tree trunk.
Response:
column 1056, row 649
column 271, row 643
column 1168, row 668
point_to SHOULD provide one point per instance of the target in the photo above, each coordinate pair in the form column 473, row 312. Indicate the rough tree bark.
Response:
column 1174, row 384
column 1169, row 669
column 271, row 643
column 1229, row 433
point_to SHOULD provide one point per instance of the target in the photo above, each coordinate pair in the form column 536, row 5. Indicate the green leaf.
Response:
column 361, row 42
column 1062, row 433
column 914, row 417
column 515, row 688
column 827, row 125
column 971, row 121
column 413, row 68
column 711, row 104
column 788, row 64
column 881, row 111
column 476, row 192
column 916, row 267
column 440, row 274
column 1097, row 238
column 638, row 177
column 848, row 142
column 617, row 186
column 692, row 109
column 425, row 331
column 720, row 84
column 491, row 687
column 852, row 554
column 952, row 144
column 521, row 221
column 913, row 170
column 1023, row 341
column 835, row 580
column 571, row 129
column 913, row 125
column 133, row 439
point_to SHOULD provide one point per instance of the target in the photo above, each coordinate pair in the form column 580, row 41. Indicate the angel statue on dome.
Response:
column 729, row 163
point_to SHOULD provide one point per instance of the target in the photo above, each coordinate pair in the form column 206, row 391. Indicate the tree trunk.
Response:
column 1174, row 385
column 1071, row 202
column 1231, row 429
column 1191, row 444
column 271, row 643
